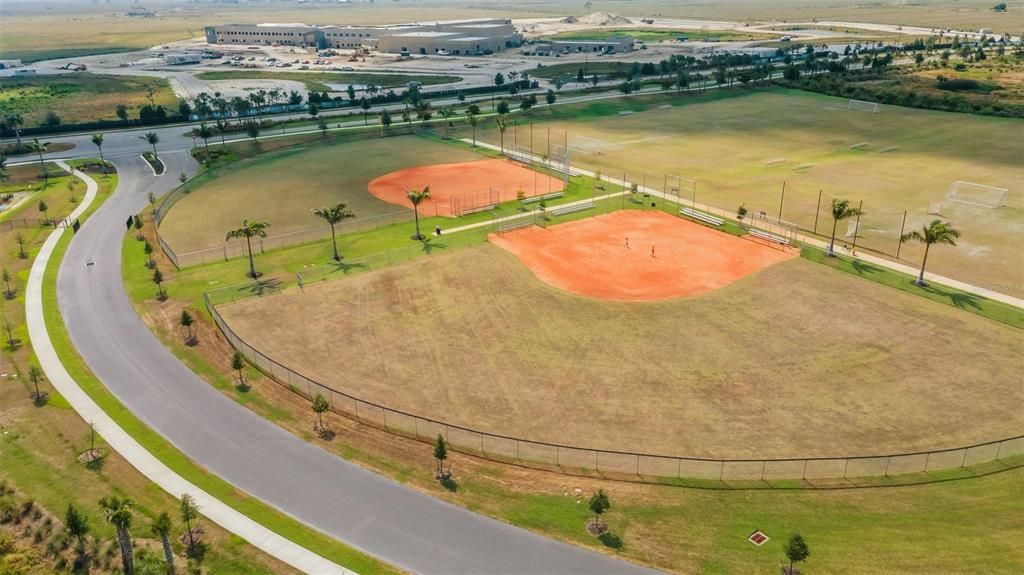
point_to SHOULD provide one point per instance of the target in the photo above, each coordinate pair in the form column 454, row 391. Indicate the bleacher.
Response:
column 543, row 198
column 701, row 216
column 571, row 208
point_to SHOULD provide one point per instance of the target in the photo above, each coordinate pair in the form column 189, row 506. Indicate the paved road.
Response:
column 411, row 530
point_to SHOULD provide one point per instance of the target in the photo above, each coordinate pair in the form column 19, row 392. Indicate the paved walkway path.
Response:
column 261, row 537
column 803, row 238
column 395, row 523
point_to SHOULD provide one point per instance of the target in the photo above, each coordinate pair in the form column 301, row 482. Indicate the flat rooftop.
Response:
column 425, row 34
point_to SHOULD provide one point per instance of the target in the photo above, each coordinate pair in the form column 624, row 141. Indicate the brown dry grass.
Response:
column 909, row 158
column 786, row 362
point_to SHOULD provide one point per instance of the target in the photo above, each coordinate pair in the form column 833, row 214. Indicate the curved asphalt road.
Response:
column 401, row 526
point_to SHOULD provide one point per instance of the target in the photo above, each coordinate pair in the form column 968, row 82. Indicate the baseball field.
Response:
column 776, row 150
column 781, row 358
column 371, row 176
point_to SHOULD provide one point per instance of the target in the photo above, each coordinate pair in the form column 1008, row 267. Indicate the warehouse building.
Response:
column 610, row 46
column 460, row 37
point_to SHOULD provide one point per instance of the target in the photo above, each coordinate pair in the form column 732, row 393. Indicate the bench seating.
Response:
column 562, row 210
column 509, row 226
column 707, row 219
column 484, row 208
column 769, row 237
column 543, row 198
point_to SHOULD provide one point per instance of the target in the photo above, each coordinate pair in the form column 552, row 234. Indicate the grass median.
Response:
column 174, row 459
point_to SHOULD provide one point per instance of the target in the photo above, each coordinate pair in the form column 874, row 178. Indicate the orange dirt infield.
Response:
column 461, row 187
column 590, row 257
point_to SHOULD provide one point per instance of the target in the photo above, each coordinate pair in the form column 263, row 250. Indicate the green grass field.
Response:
column 719, row 375
column 78, row 98
column 743, row 146
column 40, row 444
column 283, row 186
column 318, row 80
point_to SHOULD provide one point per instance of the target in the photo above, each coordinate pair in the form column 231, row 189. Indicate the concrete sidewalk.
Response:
column 218, row 512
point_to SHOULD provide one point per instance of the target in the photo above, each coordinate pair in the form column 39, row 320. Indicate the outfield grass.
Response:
column 742, row 146
column 678, row 530
column 319, row 81
column 78, row 98
column 500, row 351
column 282, row 187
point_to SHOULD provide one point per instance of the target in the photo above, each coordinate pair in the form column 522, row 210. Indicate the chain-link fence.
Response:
column 810, row 472
column 25, row 223
column 238, row 248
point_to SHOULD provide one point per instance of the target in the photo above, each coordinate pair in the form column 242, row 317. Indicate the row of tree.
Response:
column 935, row 232
column 120, row 512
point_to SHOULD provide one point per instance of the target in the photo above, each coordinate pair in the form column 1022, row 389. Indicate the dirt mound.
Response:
column 603, row 19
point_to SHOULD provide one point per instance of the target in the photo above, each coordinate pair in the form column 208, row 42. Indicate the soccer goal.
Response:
column 863, row 106
column 852, row 229
column 978, row 194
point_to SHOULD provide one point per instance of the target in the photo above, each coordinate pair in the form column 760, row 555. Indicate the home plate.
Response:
column 758, row 538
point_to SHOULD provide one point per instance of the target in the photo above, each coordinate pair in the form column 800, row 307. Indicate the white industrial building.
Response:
column 458, row 37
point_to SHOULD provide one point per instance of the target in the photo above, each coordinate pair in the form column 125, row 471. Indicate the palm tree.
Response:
column 333, row 216
column 841, row 210
column 14, row 121
column 153, row 140
column 41, row 148
column 446, row 114
column 118, row 512
column 162, row 528
column 416, row 198
column 248, row 231
column 205, row 133
column 97, row 139
column 473, row 121
column 502, row 125
column 937, row 232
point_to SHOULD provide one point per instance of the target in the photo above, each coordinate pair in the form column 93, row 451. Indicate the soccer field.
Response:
column 794, row 360
column 747, row 146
